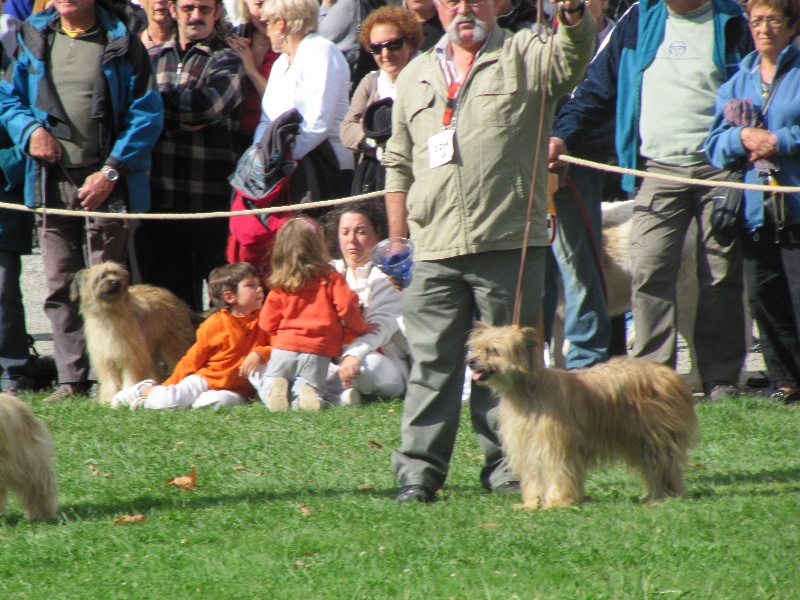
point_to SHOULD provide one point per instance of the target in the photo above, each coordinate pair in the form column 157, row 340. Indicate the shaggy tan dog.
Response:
column 556, row 424
column 26, row 460
column 132, row 333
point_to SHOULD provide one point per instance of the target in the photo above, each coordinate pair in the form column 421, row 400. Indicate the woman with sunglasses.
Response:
column 392, row 35
column 757, row 125
column 312, row 77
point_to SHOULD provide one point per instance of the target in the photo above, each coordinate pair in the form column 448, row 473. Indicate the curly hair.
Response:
column 405, row 21
column 299, row 255
column 374, row 210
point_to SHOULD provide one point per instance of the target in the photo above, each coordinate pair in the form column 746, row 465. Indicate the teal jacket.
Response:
column 125, row 98
column 613, row 83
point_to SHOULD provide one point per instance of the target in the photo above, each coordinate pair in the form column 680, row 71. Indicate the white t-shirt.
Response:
column 679, row 89
column 317, row 84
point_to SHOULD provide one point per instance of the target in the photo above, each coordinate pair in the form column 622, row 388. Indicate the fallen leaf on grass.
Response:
column 321, row 445
column 696, row 465
column 186, row 482
column 238, row 468
column 366, row 486
column 305, row 510
column 488, row 525
column 134, row 519
column 475, row 456
column 390, row 411
column 301, row 563
column 374, row 444
column 95, row 471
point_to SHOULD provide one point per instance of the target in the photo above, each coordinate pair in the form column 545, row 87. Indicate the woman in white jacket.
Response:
column 375, row 363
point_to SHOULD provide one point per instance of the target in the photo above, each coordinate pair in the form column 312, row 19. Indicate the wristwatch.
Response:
column 110, row 173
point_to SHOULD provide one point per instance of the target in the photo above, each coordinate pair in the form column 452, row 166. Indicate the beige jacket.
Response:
column 351, row 130
column 478, row 201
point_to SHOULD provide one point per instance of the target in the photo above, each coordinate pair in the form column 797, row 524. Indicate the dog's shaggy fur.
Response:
column 556, row 424
column 132, row 332
column 26, row 460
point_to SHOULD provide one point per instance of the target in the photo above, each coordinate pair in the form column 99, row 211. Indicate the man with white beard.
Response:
column 459, row 173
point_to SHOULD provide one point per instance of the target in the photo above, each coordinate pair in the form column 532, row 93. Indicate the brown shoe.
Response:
column 66, row 391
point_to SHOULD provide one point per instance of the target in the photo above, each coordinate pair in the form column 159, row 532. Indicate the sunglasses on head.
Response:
column 391, row 45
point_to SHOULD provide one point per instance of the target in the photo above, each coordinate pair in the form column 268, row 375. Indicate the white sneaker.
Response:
column 127, row 396
column 307, row 398
column 278, row 400
column 350, row 397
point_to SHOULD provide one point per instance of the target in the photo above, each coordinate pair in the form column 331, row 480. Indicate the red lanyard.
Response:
column 452, row 92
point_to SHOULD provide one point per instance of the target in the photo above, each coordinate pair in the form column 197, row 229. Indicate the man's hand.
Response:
column 760, row 143
column 43, row 146
column 95, row 190
column 349, row 369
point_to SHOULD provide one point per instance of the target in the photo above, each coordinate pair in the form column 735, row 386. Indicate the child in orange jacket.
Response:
column 229, row 347
column 307, row 309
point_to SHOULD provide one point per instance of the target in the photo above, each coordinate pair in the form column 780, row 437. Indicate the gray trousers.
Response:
column 441, row 303
column 70, row 244
column 662, row 213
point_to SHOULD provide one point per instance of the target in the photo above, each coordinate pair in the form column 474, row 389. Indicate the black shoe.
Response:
column 785, row 396
column 414, row 493
column 508, row 488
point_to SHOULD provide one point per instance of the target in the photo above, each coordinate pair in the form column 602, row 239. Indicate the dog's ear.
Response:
column 75, row 286
column 480, row 326
column 530, row 337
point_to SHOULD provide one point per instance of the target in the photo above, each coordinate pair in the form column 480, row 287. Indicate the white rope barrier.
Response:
column 771, row 189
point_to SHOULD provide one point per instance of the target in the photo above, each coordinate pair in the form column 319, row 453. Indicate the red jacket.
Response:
column 312, row 320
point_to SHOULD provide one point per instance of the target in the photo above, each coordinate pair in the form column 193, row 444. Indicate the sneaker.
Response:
column 308, row 399
column 278, row 400
column 129, row 395
column 350, row 397
column 719, row 390
column 66, row 391
column 787, row 396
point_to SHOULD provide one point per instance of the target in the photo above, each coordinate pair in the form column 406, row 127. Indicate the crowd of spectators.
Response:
column 119, row 108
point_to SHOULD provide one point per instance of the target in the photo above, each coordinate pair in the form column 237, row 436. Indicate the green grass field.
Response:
column 302, row 506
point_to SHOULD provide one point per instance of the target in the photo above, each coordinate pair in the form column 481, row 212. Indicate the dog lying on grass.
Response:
column 132, row 333
column 26, row 460
column 556, row 424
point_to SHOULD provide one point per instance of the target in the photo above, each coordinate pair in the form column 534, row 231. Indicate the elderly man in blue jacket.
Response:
column 658, row 74
column 80, row 101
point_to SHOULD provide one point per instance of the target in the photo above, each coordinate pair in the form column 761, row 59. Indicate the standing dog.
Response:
column 556, row 424
column 26, row 460
column 132, row 333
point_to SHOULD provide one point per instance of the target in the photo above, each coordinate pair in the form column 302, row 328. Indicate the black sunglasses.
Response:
column 392, row 45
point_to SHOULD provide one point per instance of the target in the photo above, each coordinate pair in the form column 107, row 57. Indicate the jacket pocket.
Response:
column 423, row 120
column 494, row 94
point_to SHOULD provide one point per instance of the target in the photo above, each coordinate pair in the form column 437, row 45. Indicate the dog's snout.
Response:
column 113, row 284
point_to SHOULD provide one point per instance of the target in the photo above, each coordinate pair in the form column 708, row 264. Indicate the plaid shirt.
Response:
column 191, row 169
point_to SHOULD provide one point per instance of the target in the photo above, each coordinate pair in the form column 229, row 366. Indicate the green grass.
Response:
column 312, row 514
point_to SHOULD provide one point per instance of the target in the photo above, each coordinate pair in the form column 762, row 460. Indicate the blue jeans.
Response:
column 586, row 322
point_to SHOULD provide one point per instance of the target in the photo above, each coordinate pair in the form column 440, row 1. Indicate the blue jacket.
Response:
column 125, row 98
column 724, row 145
column 613, row 81
column 16, row 227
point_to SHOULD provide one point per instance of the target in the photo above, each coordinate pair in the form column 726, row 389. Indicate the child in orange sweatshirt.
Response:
column 307, row 309
column 229, row 347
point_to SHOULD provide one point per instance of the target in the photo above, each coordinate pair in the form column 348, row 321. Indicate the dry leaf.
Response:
column 186, row 482
column 305, row 510
column 321, row 445
column 238, row 467
column 95, row 471
column 488, row 525
column 108, row 475
column 374, row 444
column 391, row 410
column 134, row 519
column 300, row 563
column 366, row 486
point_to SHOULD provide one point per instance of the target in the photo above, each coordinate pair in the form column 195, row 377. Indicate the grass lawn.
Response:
column 302, row 506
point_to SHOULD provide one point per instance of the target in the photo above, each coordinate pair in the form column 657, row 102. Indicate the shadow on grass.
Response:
column 717, row 484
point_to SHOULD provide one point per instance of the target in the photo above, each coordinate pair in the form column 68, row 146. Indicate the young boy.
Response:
column 229, row 347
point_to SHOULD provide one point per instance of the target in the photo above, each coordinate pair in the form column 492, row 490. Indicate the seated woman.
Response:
column 313, row 77
column 376, row 363
column 757, row 125
column 393, row 35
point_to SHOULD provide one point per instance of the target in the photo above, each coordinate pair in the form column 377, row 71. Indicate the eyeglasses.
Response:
column 771, row 22
column 391, row 45
column 188, row 9
column 454, row 4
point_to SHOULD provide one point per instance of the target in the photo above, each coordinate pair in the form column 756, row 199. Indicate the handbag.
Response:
column 727, row 215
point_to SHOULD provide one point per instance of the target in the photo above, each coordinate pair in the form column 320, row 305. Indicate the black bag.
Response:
column 727, row 216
